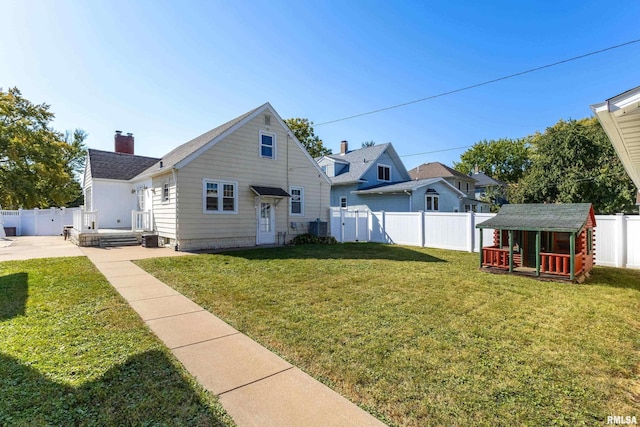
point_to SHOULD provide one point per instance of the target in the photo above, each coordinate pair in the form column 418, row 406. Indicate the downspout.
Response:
column 174, row 173
column 408, row 193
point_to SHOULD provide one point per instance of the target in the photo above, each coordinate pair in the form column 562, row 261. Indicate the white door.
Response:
column 266, row 224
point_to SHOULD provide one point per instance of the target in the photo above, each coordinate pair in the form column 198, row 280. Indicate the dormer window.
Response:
column 384, row 173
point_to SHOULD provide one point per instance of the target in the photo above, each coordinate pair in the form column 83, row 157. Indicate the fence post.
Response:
column 341, row 225
column 369, row 225
column 620, row 241
column 357, row 228
column 471, row 231
column 421, row 229
column 19, row 231
column 384, row 227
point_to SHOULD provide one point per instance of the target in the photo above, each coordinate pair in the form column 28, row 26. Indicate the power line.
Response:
column 510, row 76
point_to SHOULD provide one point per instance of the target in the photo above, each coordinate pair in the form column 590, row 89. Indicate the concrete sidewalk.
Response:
column 255, row 386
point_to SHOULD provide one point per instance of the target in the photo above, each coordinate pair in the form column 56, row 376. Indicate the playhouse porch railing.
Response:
column 85, row 221
column 559, row 264
column 141, row 221
column 495, row 257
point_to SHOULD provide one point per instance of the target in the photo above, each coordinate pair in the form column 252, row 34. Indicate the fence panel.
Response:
column 404, row 228
column 446, row 230
column 38, row 222
column 377, row 231
column 606, row 236
column 633, row 242
column 487, row 233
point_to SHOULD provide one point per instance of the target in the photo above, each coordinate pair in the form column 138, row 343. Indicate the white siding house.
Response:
column 247, row 182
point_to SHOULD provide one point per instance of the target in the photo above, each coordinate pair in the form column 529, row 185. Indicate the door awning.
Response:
column 276, row 192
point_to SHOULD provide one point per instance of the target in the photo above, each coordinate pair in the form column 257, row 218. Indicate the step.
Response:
column 124, row 240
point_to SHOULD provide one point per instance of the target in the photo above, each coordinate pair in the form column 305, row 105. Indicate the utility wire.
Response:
column 510, row 76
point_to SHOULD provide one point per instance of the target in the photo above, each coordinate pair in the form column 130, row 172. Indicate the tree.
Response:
column 368, row 144
column 303, row 130
column 502, row 159
column 573, row 161
column 37, row 163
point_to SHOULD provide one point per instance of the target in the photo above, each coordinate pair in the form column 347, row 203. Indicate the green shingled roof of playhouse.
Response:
column 567, row 217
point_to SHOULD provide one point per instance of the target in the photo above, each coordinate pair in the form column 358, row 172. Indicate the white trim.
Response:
column 274, row 144
column 296, row 187
column 221, row 184
column 378, row 166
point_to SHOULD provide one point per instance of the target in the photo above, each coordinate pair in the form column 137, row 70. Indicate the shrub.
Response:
column 310, row 239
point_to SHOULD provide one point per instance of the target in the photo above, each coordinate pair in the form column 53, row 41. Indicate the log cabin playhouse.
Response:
column 547, row 241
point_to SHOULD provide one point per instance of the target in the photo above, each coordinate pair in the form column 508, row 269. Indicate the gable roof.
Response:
column 484, row 180
column 436, row 170
column 187, row 149
column 401, row 187
column 110, row 165
column 185, row 153
column 567, row 217
column 361, row 160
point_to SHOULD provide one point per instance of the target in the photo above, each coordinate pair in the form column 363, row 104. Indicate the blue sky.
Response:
column 168, row 71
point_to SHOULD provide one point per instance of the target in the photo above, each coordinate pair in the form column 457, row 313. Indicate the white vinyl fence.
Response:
column 38, row 222
column 617, row 236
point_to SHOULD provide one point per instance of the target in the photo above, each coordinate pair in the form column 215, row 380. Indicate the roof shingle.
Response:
column 567, row 217
column 436, row 170
column 110, row 165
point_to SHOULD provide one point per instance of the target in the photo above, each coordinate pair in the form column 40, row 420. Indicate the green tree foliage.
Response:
column 503, row 159
column 303, row 130
column 572, row 162
column 37, row 163
column 368, row 144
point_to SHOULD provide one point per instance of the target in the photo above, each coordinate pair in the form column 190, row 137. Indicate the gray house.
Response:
column 375, row 178
column 458, row 180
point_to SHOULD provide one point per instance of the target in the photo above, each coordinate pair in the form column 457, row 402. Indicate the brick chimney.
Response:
column 123, row 143
column 344, row 147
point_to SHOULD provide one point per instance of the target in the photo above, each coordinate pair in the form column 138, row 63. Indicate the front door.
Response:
column 266, row 224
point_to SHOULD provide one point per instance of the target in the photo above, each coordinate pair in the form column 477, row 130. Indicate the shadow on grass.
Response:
column 14, row 290
column 625, row 278
column 372, row 251
column 145, row 390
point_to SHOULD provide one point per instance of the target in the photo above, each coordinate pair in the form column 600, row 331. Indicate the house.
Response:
column 620, row 119
column 375, row 178
column 487, row 187
column 463, row 183
column 247, row 182
column 554, row 241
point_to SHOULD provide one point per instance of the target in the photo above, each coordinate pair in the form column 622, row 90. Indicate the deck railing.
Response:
column 141, row 221
column 495, row 257
column 555, row 263
column 85, row 221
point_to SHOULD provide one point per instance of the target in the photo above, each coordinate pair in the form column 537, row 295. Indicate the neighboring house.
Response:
column 458, row 180
column 247, row 182
column 620, row 119
column 368, row 167
column 485, row 186
column 542, row 240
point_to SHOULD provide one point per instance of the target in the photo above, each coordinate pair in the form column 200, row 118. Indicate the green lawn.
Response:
column 72, row 352
column 421, row 337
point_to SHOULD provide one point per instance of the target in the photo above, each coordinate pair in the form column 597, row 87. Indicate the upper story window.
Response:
column 296, row 204
column 325, row 169
column 220, row 196
column 467, row 187
column 267, row 145
column 343, row 201
column 384, row 173
column 165, row 192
